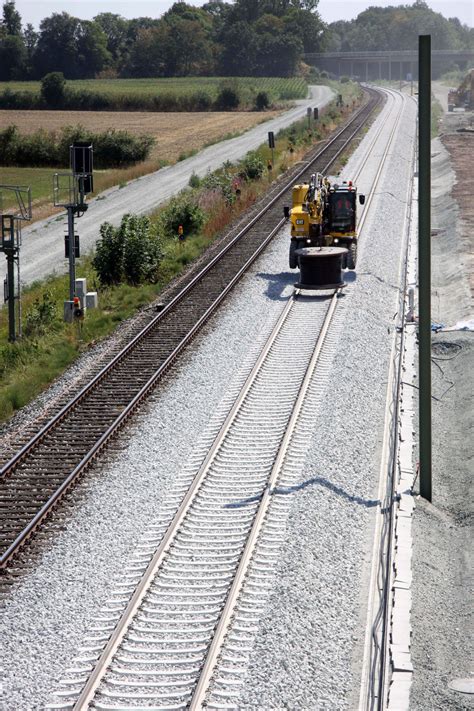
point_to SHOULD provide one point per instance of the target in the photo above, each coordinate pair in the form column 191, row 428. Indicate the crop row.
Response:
column 185, row 94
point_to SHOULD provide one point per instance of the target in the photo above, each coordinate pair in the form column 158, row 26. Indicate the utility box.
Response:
column 92, row 300
column 69, row 311
column 81, row 287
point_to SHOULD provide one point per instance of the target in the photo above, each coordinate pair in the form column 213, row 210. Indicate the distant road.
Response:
column 42, row 251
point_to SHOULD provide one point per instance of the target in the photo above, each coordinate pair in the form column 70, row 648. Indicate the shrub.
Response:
column 222, row 182
column 182, row 210
column 142, row 251
column 46, row 148
column 53, row 89
column 252, row 166
column 344, row 79
column 130, row 252
column 20, row 100
column 201, row 101
column 41, row 315
column 194, row 181
column 262, row 101
column 228, row 98
column 108, row 258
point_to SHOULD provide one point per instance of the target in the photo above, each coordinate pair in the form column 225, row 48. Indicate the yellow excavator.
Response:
column 324, row 214
column 463, row 96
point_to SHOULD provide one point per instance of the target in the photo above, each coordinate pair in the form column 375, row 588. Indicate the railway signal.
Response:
column 271, row 145
column 70, row 191
column 78, row 311
column 10, row 242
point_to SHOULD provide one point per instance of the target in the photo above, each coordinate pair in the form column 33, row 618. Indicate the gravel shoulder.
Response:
column 442, row 531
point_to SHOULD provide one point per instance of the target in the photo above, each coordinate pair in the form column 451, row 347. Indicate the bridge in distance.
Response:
column 387, row 64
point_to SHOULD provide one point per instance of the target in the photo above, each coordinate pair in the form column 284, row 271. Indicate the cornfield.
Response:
column 278, row 89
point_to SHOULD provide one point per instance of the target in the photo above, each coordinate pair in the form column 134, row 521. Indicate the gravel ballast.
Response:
column 309, row 650
column 310, row 635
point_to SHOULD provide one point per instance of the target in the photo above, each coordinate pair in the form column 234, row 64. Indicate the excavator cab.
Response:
column 342, row 211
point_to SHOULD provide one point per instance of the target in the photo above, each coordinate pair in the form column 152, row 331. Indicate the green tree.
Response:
column 74, row 47
column 115, row 29
column 179, row 45
column 308, row 27
column 146, row 58
column 181, row 210
column 11, row 23
column 142, row 251
column 56, row 49
column 31, row 39
column 13, row 58
column 278, row 50
column 395, row 28
column 92, row 53
column 238, row 55
column 53, row 89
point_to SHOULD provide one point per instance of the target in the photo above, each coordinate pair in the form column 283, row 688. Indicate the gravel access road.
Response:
column 42, row 251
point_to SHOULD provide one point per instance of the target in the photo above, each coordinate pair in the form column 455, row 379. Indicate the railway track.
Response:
column 177, row 631
column 160, row 649
column 46, row 466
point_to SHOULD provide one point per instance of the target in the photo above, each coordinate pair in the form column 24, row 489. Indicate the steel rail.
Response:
column 199, row 695
column 122, row 626
column 100, row 443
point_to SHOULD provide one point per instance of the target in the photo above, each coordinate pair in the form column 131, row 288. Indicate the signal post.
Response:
column 70, row 192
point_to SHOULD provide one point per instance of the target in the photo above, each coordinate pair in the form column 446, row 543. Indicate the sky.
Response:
column 330, row 10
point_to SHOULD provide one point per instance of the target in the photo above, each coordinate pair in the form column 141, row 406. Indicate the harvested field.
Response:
column 177, row 136
column 175, row 132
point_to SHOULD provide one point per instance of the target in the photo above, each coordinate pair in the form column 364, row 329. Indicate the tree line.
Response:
column 243, row 38
column 247, row 38
column 397, row 28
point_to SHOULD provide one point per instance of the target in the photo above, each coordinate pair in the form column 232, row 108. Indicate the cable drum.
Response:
column 320, row 267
